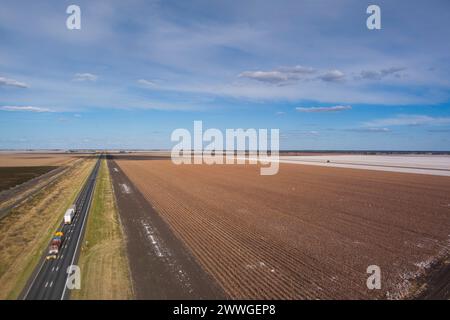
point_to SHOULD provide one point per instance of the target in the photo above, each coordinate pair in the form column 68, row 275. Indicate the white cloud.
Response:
column 12, row 83
column 409, row 120
column 370, row 129
column 146, row 82
column 280, row 75
column 332, row 76
column 292, row 74
column 379, row 74
column 85, row 77
column 24, row 108
column 265, row 76
column 297, row 70
column 323, row 109
column 344, row 93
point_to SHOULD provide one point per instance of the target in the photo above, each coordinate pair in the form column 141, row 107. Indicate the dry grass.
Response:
column 103, row 262
column 25, row 232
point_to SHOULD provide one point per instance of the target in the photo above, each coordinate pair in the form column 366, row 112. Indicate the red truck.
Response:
column 55, row 245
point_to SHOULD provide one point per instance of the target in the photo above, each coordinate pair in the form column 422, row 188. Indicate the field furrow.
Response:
column 305, row 233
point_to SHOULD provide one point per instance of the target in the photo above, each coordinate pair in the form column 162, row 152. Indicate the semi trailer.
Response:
column 68, row 216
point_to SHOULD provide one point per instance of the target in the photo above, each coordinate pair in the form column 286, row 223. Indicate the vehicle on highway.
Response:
column 68, row 216
column 55, row 245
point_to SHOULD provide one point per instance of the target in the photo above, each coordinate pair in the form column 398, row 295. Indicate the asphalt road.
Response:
column 48, row 281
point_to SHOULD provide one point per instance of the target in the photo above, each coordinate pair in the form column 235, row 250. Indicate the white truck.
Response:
column 68, row 216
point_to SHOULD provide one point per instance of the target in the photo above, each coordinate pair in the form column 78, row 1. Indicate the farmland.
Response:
column 306, row 233
column 25, row 174
column 17, row 168
column 33, row 159
column 12, row 176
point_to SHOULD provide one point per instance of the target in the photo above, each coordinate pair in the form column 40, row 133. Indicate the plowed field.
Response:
column 305, row 233
column 12, row 176
column 33, row 159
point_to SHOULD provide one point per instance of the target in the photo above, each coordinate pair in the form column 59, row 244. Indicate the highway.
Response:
column 48, row 281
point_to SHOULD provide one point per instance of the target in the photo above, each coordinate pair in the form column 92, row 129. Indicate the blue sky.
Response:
column 139, row 69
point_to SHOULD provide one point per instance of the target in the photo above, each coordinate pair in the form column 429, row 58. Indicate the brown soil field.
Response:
column 305, row 233
column 13, row 176
column 34, row 159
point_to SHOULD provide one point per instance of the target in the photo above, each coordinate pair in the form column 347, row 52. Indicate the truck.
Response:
column 68, row 216
column 55, row 245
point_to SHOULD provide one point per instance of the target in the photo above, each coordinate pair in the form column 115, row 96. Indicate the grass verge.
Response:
column 103, row 261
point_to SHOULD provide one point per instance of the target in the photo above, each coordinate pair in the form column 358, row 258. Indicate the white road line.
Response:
column 46, row 284
column 125, row 188
column 34, row 280
column 51, row 284
column 53, row 269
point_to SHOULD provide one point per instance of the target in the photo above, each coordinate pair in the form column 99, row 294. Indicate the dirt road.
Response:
column 161, row 266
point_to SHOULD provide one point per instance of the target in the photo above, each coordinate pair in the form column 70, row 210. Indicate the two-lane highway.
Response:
column 48, row 282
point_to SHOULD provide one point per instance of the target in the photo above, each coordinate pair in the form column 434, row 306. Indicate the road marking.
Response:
column 53, row 269
column 34, row 280
column 152, row 237
column 51, row 284
column 81, row 230
column 125, row 188
column 57, row 268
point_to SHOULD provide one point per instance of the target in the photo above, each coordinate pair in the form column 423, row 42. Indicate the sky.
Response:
column 137, row 70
